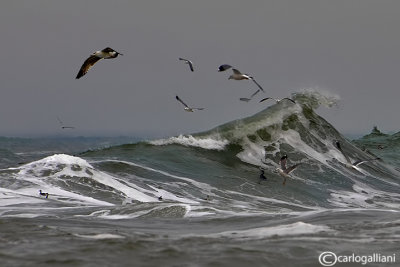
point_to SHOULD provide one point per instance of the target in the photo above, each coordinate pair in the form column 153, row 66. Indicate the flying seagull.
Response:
column 224, row 67
column 106, row 53
column 187, row 108
column 283, row 170
column 348, row 163
column 187, row 61
column 277, row 100
column 62, row 125
column 245, row 99
column 237, row 75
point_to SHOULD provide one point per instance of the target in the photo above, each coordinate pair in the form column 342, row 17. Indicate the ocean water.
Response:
column 197, row 200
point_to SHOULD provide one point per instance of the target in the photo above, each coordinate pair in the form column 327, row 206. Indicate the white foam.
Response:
column 316, row 97
column 189, row 140
column 101, row 236
column 272, row 200
column 23, row 215
column 60, row 159
column 364, row 196
column 298, row 228
column 200, row 185
column 61, row 165
column 128, row 191
column 136, row 214
column 169, row 196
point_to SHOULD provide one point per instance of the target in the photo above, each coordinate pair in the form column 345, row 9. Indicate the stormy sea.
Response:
column 198, row 200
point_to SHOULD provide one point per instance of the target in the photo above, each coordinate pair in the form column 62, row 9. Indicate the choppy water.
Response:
column 104, row 207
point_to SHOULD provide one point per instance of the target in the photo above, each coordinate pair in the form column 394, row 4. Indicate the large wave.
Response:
column 215, row 172
column 282, row 128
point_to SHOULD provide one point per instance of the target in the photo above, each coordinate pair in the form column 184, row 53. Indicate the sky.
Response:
column 349, row 48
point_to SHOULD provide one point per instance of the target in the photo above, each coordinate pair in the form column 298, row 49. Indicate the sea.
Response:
column 198, row 200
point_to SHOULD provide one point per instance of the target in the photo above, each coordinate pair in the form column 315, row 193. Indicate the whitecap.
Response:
column 189, row 140
column 298, row 228
column 101, row 236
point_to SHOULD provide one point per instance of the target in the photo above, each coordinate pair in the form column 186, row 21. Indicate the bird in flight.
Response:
column 348, row 163
column 106, row 53
column 187, row 108
column 63, row 126
column 224, row 67
column 237, row 75
column 283, row 170
column 187, row 61
column 245, row 99
column 277, row 100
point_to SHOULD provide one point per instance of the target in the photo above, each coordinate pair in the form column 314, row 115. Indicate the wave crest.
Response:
column 316, row 97
column 189, row 140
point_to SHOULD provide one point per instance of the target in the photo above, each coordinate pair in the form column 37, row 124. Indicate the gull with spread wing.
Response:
column 187, row 61
column 187, row 108
column 348, row 163
column 245, row 99
column 277, row 100
column 285, row 171
column 106, row 53
column 237, row 75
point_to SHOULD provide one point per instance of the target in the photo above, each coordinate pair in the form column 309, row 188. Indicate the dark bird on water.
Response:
column 262, row 176
column 106, row 53
column 43, row 194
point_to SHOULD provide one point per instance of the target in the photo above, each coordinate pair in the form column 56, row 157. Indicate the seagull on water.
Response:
column 224, row 67
column 187, row 108
column 262, row 176
column 277, row 100
column 348, row 163
column 283, row 170
column 43, row 194
column 237, row 75
column 245, row 99
column 187, row 61
column 106, row 53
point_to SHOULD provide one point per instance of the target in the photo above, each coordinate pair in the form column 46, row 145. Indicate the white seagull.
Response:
column 245, row 99
column 187, row 108
column 283, row 170
column 187, row 61
column 237, row 75
column 348, row 163
column 277, row 100
column 106, row 53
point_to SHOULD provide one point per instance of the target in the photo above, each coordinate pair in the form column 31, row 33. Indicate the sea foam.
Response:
column 189, row 140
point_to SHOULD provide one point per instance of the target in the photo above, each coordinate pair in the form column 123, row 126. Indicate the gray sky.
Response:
column 347, row 47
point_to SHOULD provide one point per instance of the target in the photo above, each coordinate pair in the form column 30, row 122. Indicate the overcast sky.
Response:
column 347, row 47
